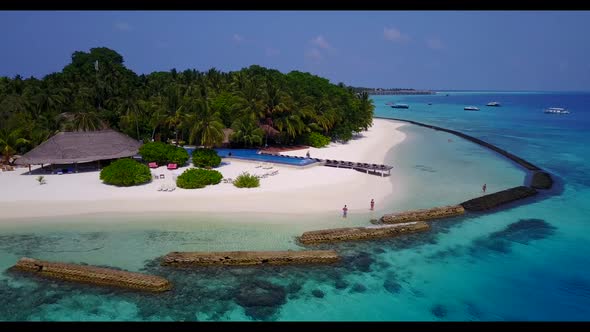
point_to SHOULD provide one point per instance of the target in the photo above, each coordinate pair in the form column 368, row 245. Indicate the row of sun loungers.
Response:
column 350, row 164
column 265, row 175
column 7, row 168
column 167, row 187
column 264, row 166
column 170, row 166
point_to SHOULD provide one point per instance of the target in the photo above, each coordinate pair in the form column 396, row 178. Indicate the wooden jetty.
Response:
column 373, row 169
column 93, row 275
column 250, row 258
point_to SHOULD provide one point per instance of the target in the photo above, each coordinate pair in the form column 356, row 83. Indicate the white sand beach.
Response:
column 314, row 189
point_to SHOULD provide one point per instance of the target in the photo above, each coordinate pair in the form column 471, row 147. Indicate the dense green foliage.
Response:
column 163, row 153
column 317, row 140
column 198, row 178
column 96, row 90
column 125, row 172
column 206, row 158
column 246, row 180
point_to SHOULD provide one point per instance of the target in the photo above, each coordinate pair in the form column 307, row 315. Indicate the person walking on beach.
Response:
column 484, row 188
column 344, row 211
column 372, row 204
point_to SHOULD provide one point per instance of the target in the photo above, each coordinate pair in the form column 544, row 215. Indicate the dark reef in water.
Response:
column 523, row 231
column 358, row 288
column 318, row 293
column 439, row 311
column 391, row 284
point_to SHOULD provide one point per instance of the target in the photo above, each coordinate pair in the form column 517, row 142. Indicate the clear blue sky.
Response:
column 492, row 50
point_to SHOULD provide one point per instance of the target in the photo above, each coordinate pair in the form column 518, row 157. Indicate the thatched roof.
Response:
column 81, row 146
column 226, row 133
column 269, row 130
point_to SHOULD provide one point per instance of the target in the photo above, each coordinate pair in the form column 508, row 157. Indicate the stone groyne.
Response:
column 491, row 201
column 250, row 258
column 93, row 275
column 542, row 180
column 361, row 233
column 423, row 215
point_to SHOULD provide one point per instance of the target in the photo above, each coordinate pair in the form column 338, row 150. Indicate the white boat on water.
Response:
column 493, row 103
column 471, row 108
column 557, row 110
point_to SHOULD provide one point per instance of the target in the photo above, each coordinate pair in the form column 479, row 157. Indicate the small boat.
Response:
column 400, row 106
column 493, row 103
column 471, row 108
column 557, row 110
column 429, row 103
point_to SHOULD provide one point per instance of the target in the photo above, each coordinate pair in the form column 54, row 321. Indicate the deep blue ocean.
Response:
column 526, row 262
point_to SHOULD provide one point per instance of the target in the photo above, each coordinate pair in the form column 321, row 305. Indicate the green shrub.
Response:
column 198, row 178
column 246, row 180
column 206, row 158
column 178, row 156
column 163, row 153
column 317, row 140
column 125, row 172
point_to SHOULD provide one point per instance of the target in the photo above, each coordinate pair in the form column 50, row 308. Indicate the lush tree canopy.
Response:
column 96, row 90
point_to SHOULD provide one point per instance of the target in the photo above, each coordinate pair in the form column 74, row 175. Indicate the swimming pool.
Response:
column 251, row 154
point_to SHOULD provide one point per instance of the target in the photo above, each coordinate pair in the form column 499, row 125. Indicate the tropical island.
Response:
column 61, row 130
column 392, row 91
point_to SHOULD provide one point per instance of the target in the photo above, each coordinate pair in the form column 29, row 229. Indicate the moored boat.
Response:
column 493, row 103
column 556, row 110
column 400, row 106
column 471, row 108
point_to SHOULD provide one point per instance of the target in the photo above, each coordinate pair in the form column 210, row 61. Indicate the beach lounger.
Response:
column 161, row 176
column 153, row 165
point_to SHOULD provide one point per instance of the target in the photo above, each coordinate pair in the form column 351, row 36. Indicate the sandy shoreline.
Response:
column 310, row 190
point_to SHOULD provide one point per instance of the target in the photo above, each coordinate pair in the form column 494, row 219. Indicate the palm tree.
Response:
column 86, row 121
column 157, row 113
column 290, row 124
column 246, row 132
column 10, row 140
column 128, row 109
column 176, row 104
column 207, row 126
column 249, row 101
column 323, row 115
column 48, row 101
column 366, row 108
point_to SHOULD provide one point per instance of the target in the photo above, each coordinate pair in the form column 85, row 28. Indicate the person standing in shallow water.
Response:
column 484, row 188
column 344, row 211
column 307, row 154
column 372, row 204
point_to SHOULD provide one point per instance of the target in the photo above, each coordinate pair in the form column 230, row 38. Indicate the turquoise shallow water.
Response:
column 527, row 262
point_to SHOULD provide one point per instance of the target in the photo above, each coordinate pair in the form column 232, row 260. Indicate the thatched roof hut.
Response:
column 81, row 146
